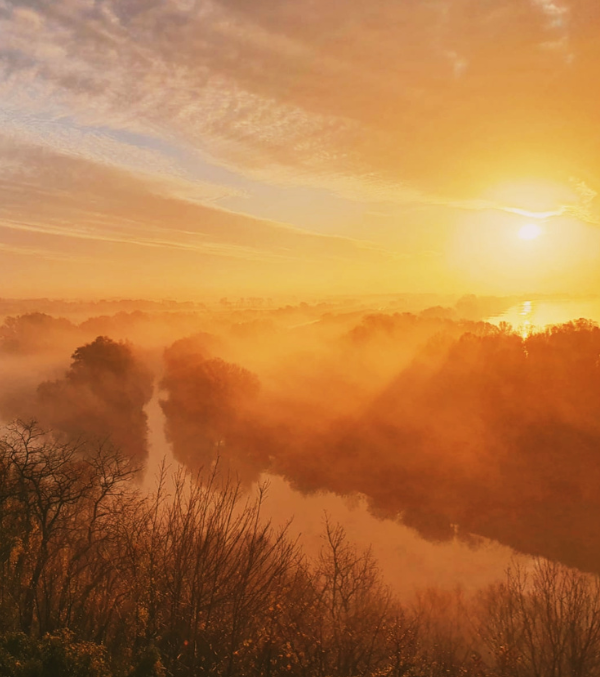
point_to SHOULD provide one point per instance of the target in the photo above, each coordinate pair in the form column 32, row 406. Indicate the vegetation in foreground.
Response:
column 100, row 579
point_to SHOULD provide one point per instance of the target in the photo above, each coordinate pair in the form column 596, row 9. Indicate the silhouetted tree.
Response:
column 102, row 394
column 207, row 411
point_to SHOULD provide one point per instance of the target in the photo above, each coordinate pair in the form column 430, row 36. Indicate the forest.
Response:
column 460, row 430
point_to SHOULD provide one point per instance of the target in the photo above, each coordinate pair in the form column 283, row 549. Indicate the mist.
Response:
column 460, row 430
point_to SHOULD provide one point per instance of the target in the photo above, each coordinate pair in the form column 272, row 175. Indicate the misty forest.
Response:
column 118, row 558
column 299, row 338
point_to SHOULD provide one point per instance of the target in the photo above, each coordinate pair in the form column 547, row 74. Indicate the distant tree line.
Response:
column 100, row 579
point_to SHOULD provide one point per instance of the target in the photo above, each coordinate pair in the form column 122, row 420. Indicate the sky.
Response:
column 177, row 148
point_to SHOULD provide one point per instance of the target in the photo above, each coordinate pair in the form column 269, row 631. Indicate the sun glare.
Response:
column 530, row 231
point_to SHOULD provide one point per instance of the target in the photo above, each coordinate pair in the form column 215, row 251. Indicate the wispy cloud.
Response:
column 73, row 198
column 131, row 123
column 29, row 251
column 316, row 92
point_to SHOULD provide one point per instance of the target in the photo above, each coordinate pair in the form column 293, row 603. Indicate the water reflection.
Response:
column 529, row 315
column 525, row 328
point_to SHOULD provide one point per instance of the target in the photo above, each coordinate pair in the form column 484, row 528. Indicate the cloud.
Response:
column 129, row 127
column 30, row 251
column 439, row 98
column 68, row 197
column 99, row 229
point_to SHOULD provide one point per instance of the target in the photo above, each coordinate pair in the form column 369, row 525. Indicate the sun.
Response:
column 530, row 231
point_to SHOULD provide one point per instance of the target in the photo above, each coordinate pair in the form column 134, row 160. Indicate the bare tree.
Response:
column 543, row 621
column 57, row 503
column 355, row 607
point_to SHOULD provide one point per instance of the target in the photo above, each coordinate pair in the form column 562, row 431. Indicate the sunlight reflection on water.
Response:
column 536, row 314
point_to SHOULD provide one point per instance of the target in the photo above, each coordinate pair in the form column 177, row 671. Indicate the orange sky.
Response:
column 183, row 147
